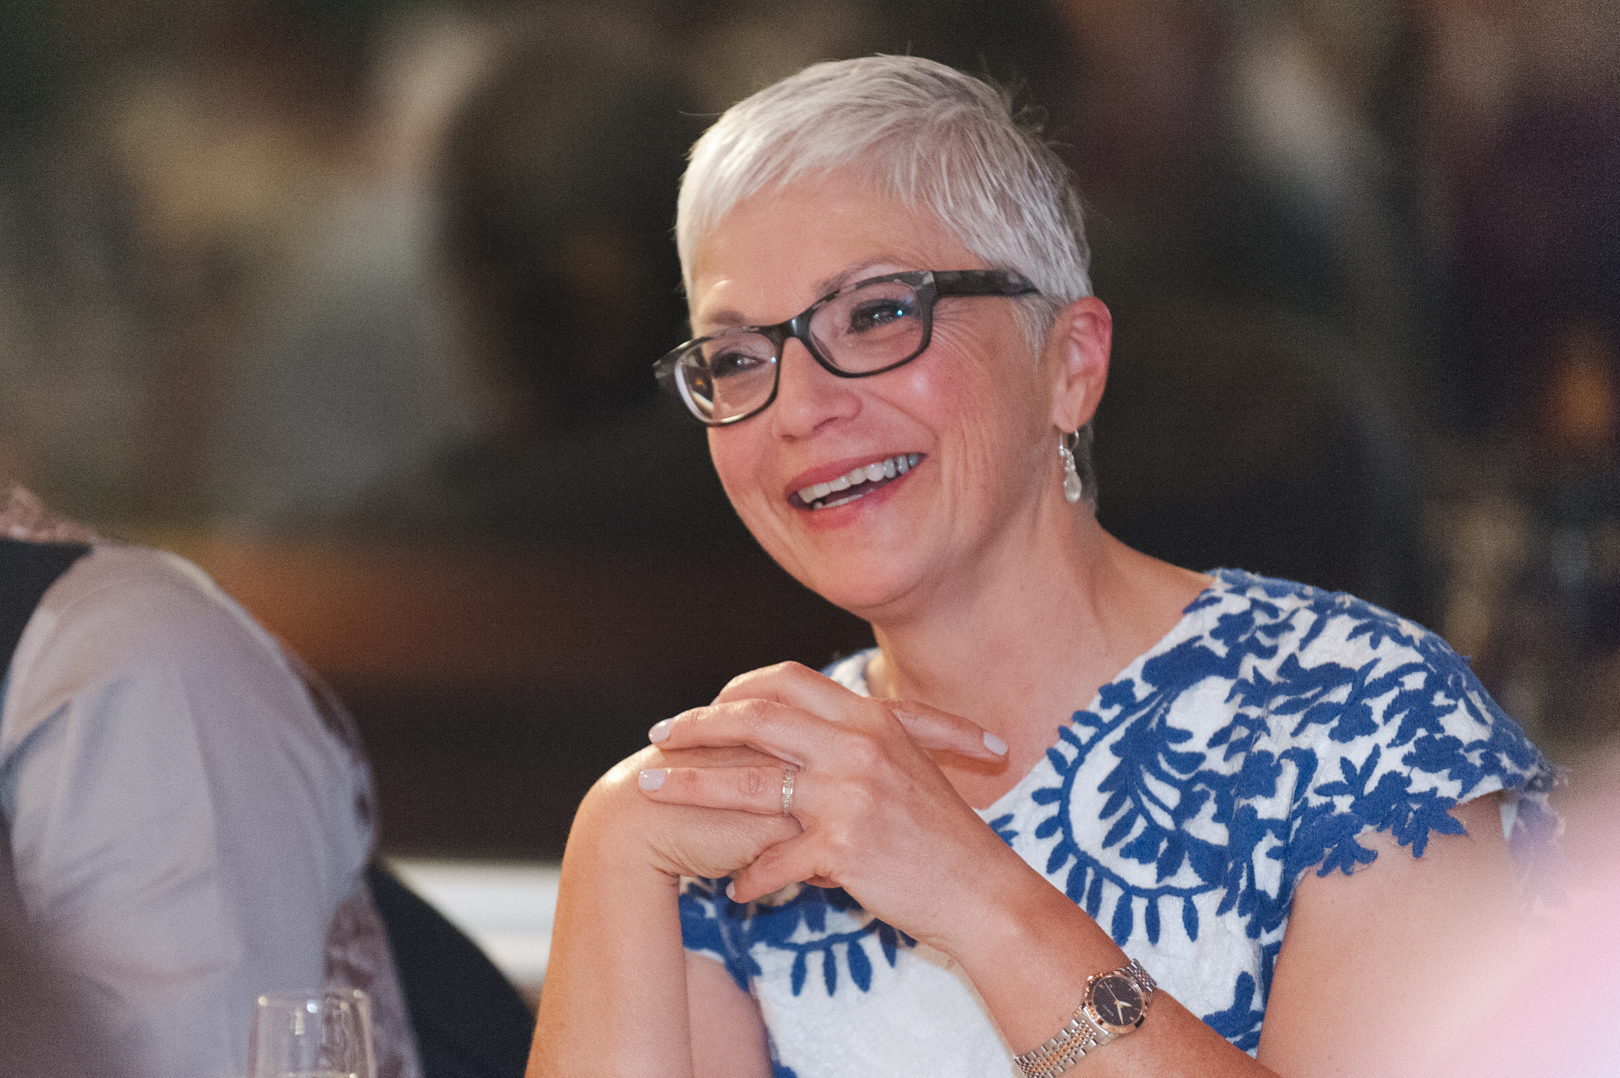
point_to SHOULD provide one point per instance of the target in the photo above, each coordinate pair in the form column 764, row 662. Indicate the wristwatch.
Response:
column 1114, row 1004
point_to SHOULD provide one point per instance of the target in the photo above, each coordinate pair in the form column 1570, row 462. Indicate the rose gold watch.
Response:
column 1114, row 1004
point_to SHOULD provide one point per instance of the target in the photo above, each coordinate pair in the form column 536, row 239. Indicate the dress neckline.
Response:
column 1191, row 623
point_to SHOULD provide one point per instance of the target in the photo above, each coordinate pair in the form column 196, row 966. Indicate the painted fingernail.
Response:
column 731, row 891
column 652, row 778
column 659, row 732
column 995, row 744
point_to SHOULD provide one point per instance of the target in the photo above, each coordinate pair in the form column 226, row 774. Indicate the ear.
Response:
column 1077, row 351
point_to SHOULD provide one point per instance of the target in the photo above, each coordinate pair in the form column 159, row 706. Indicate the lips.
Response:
column 854, row 484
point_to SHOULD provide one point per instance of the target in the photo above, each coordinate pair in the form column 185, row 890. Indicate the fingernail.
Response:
column 731, row 891
column 652, row 778
column 995, row 744
column 659, row 732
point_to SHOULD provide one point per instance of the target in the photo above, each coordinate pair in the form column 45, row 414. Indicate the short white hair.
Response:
column 924, row 133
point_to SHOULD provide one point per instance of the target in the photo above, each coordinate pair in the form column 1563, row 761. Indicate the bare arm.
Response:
column 1369, row 961
column 882, row 822
column 615, row 1000
column 621, row 997
column 728, row 1032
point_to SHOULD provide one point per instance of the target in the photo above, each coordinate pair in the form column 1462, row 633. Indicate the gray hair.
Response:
column 925, row 134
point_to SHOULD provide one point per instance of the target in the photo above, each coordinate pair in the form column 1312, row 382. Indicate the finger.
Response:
column 940, row 730
column 768, row 726
column 793, row 684
column 758, row 789
column 776, row 867
column 799, row 686
column 717, row 756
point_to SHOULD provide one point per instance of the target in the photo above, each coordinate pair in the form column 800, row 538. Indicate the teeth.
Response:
column 814, row 494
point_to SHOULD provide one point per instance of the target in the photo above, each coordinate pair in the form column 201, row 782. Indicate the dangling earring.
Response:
column 1071, row 478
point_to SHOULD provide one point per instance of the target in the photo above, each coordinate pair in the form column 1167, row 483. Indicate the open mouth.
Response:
column 853, row 484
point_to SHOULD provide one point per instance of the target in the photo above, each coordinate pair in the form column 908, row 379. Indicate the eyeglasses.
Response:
column 866, row 328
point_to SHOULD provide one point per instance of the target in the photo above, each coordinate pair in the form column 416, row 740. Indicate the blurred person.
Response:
column 1075, row 795
column 218, row 247
column 187, row 820
column 555, row 176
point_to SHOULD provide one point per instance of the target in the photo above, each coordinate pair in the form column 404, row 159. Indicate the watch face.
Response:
column 1116, row 1001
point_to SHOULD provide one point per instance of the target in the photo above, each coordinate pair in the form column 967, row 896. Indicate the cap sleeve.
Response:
column 1390, row 730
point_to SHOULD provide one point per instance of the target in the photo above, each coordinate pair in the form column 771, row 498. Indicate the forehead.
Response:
column 780, row 250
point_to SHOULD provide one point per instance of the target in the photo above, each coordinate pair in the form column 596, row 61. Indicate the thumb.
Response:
column 784, row 863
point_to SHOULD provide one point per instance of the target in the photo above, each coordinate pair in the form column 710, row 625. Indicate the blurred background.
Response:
column 354, row 303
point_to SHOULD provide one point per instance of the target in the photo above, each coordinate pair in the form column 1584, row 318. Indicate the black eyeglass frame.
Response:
column 930, row 285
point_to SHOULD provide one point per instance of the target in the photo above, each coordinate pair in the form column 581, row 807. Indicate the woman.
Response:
column 1067, row 771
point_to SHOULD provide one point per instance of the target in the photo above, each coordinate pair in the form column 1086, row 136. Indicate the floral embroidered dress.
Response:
column 1269, row 729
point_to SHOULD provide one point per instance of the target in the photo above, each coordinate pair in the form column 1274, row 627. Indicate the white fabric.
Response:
column 183, row 824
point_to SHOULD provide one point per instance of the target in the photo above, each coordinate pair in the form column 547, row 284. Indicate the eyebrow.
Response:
column 730, row 319
column 847, row 276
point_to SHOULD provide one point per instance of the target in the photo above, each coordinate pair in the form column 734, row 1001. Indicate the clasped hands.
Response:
column 871, row 811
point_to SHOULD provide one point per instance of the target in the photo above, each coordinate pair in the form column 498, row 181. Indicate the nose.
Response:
column 808, row 397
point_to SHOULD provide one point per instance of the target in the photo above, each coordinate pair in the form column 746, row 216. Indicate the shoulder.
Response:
column 1298, row 618
column 142, row 698
column 1387, row 726
column 147, row 596
column 1315, row 665
column 126, row 623
column 1344, row 670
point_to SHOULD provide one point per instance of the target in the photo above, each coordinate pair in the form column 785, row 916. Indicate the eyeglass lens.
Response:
column 873, row 325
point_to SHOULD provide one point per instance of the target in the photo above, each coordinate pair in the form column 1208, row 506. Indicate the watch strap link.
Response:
column 1082, row 1034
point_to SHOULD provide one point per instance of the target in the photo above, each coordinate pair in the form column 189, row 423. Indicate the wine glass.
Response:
column 320, row 1033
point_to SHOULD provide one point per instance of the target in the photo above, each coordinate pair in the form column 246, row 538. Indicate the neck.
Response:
column 1030, row 640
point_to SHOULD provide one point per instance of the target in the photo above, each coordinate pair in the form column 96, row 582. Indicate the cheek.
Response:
column 739, row 462
column 985, row 406
column 730, row 459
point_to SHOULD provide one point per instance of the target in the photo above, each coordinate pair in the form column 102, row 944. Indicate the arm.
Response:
column 615, row 1000
column 728, row 1032
column 1369, row 961
column 621, row 995
column 882, row 822
column 183, row 826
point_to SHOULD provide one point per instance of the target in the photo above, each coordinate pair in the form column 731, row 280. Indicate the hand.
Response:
column 879, row 818
column 678, row 839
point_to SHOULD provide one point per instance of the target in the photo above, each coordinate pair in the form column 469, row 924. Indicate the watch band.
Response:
column 1083, row 1033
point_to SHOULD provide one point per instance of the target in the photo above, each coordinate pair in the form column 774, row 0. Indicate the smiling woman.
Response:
column 1075, row 795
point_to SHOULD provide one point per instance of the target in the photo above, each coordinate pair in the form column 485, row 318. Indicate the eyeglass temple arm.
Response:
column 982, row 283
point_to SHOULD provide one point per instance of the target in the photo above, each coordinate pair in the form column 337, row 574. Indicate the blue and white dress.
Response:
column 1256, row 741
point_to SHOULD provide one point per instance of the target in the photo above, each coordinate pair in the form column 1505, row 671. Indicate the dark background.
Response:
column 354, row 302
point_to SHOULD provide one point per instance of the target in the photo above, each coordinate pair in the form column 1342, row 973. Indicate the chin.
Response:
column 861, row 559
column 853, row 585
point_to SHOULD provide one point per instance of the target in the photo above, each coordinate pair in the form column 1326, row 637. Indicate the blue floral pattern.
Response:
column 711, row 922
column 1262, row 738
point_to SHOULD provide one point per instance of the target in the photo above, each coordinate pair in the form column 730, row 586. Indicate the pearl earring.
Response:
column 1071, row 478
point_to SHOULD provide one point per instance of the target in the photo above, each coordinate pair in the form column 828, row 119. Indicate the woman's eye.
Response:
column 735, row 361
column 876, row 314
